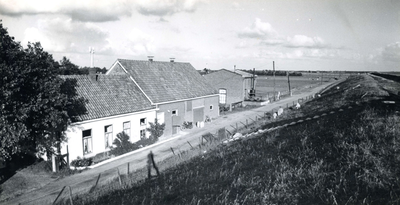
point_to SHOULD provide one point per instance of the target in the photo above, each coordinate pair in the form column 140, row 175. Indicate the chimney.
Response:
column 150, row 58
column 92, row 71
column 93, row 75
column 172, row 60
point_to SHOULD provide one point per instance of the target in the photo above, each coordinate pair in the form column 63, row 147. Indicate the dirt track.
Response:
column 82, row 182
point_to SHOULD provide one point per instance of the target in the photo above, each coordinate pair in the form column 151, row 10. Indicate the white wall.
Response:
column 74, row 133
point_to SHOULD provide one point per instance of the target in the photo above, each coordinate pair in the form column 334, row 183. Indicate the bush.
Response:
column 144, row 142
column 156, row 130
column 122, row 144
column 84, row 162
column 101, row 157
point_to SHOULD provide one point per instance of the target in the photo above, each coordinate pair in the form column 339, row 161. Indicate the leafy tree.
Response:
column 68, row 68
column 36, row 104
column 122, row 144
column 85, row 70
column 156, row 130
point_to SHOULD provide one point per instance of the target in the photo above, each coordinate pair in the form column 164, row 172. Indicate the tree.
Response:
column 122, row 144
column 85, row 70
column 36, row 104
column 156, row 130
column 68, row 68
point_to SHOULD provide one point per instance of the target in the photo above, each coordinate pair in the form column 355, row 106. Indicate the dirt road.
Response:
column 82, row 182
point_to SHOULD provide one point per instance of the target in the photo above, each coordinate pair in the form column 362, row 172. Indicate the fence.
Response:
column 266, row 116
column 216, row 137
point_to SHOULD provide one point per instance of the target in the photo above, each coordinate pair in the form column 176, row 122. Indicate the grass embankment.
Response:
column 349, row 157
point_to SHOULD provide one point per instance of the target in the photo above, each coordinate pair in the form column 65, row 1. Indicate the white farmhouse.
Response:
column 114, row 104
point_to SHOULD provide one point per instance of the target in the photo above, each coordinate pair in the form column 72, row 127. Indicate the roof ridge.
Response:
column 149, row 61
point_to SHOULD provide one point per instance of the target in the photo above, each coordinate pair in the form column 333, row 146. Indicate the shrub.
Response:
column 122, row 144
column 101, row 157
column 84, row 162
column 156, row 130
column 144, row 142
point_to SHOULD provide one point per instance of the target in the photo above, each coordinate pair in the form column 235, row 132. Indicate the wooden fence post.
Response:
column 128, row 169
column 189, row 144
column 173, row 149
column 70, row 196
column 59, row 194
column 119, row 177
column 228, row 131
column 234, row 129
column 243, row 124
column 93, row 187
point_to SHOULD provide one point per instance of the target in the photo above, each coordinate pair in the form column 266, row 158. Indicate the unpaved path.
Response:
column 82, row 182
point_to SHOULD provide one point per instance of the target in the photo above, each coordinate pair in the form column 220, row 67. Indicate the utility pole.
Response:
column 288, row 80
column 322, row 75
column 253, row 85
column 91, row 50
column 273, row 67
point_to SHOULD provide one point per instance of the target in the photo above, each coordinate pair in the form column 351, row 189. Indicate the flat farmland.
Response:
column 265, row 84
column 392, row 73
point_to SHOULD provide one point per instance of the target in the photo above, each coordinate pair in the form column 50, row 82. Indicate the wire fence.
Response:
column 122, row 174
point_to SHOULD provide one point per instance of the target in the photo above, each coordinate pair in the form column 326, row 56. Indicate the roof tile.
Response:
column 167, row 81
column 109, row 95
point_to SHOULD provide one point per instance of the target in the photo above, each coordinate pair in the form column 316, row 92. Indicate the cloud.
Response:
column 139, row 43
column 166, row 7
column 79, row 10
column 268, row 36
column 391, row 52
column 299, row 41
column 259, row 30
column 236, row 5
column 65, row 35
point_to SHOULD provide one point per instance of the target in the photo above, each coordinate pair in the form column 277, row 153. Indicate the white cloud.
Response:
column 139, row 43
column 304, row 41
column 259, row 30
column 65, row 35
column 166, row 7
column 236, row 5
column 391, row 52
column 270, row 37
column 81, row 10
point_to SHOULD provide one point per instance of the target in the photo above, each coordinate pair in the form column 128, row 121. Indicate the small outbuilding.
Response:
column 233, row 87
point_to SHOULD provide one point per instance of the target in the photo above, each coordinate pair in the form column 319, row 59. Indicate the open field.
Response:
column 350, row 155
column 265, row 84
column 392, row 73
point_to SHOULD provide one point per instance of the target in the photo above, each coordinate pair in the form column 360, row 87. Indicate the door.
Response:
column 198, row 114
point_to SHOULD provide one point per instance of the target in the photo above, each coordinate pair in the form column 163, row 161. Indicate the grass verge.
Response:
column 348, row 157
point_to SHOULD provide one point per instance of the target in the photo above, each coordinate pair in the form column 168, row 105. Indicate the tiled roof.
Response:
column 167, row 81
column 109, row 95
column 219, row 77
column 244, row 74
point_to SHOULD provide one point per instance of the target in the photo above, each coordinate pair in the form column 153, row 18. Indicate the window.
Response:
column 211, row 107
column 143, row 122
column 174, row 112
column 127, row 128
column 222, row 96
column 143, row 134
column 87, row 141
column 108, row 135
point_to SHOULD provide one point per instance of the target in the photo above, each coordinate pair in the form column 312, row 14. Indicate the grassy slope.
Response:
column 347, row 157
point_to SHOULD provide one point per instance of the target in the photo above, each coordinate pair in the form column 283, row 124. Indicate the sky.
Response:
column 330, row 35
